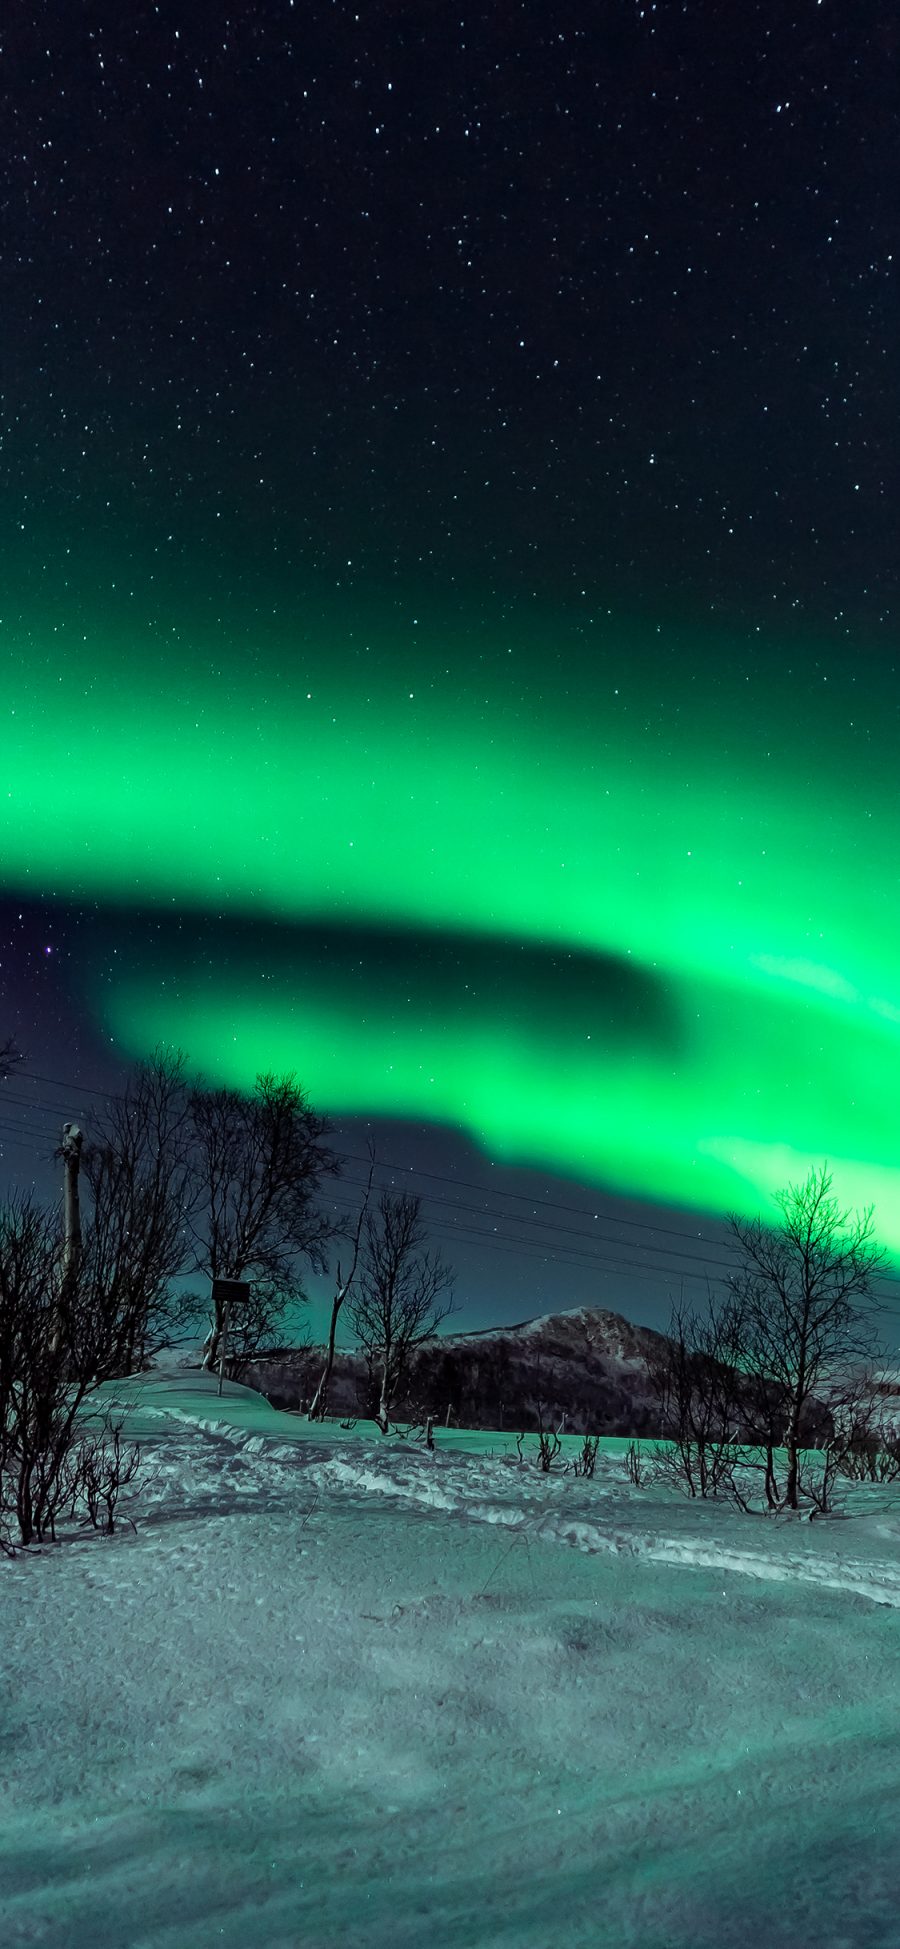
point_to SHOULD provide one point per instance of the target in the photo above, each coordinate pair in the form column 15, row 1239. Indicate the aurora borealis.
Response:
column 666, row 968
column 446, row 656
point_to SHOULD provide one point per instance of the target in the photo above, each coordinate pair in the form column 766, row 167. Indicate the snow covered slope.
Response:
column 334, row 1690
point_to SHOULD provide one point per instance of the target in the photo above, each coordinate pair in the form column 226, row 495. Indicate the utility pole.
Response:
column 70, row 1151
column 72, row 1140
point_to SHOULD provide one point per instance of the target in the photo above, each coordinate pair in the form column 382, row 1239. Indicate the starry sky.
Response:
column 449, row 619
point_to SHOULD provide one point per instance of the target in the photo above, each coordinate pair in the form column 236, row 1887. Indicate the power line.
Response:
column 546, row 1224
column 635, row 1267
column 560, row 1256
column 564, row 1254
column 437, row 1177
column 605, row 1268
column 610, row 1270
column 35, row 1103
column 23, row 1123
column 548, row 1204
column 26, row 1139
column 59, row 1083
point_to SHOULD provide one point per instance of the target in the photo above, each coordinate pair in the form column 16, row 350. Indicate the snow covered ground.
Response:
column 335, row 1690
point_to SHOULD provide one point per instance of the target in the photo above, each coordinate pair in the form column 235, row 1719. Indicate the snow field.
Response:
column 338, row 1691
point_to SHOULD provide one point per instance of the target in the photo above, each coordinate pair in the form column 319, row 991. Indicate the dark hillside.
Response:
column 589, row 1366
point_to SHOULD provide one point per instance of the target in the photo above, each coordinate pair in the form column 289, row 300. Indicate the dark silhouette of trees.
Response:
column 696, row 1378
column 52, row 1357
column 258, row 1164
column 174, row 1178
column 141, row 1192
column 182, row 1179
column 778, row 1361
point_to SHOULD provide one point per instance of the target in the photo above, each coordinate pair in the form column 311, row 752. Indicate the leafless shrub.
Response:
column 635, row 1465
column 699, row 1388
column 863, row 1447
column 586, row 1462
column 868, row 1459
column 420, row 1428
column 104, row 1467
column 689, row 1467
column 53, row 1345
column 549, row 1446
column 37, row 1404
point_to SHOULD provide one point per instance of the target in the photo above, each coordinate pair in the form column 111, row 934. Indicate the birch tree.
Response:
column 259, row 1164
column 319, row 1403
column 803, row 1292
column 137, row 1166
column 404, row 1292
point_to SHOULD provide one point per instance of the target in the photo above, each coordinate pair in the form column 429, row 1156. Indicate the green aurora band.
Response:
column 734, row 844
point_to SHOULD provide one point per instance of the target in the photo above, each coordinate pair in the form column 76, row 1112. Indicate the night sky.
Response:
column 449, row 493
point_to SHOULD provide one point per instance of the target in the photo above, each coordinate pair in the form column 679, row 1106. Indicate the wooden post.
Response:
column 429, row 1432
column 226, row 1315
column 225, row 1294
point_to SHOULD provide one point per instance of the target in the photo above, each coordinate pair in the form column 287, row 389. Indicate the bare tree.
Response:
column 51, row 1454
column 865, row 1445
column 141, row 1192
column 804, row 1296
column 404, row 1293
column 30, row 1275
column 696, row 1378
column 259, row 1162
column 319, row 1402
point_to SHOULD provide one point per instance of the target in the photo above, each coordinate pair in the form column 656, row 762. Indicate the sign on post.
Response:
column 227, row 1293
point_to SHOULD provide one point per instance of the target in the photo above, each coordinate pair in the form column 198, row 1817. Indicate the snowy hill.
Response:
column 333, row 1689
column 587, row 1365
